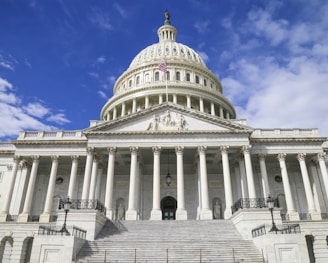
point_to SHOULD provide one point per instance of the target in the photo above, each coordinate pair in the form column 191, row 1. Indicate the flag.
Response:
column 162, row 66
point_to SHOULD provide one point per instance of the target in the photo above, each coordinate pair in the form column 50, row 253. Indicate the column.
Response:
column 205, row 213
column 45, row 216
column 146, row 102
column 175, row 98
column 292, row 214
column 227, row 181
column 156, row 213
column 98, row 183
column 123, row 109
column 243, row 178
column 264, row 175
column 93, row 181
column 114, row 113
column 307, row 186
column 212, row 109
column 87, row 174
column 134, row 105
column 323, row 170
column 201, row 104
column 23, row 217
column 181, row 213
column 7, row 199
column 249, row 171
column 160, row 99
column 131, row 214
column 188, row 101
column 221, row 112
column 110, row 183
column 72, row 178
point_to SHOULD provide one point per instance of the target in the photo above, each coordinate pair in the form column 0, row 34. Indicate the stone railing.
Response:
column 259, row 133
column 249, row 203
column 52, row 135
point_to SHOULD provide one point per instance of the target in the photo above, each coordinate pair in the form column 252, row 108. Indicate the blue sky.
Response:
column 59, row 59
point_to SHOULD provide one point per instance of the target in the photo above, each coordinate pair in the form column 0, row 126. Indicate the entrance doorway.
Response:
column 169, row 207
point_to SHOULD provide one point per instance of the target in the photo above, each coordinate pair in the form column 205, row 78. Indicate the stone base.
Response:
column 227, row 213
column 156, row 215
column 293, row 216
column 3, row 217
column 44, row 218
column 110, row 214
column 22, row 218
column 206, row 214
column 315, row 215
column 181, row 214
column 131, row 215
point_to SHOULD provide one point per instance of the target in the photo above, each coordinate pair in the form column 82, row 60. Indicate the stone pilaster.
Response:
column 227, row 181
column 110, row 182
column 181, row 213
column 156, row 212
column 131, row 213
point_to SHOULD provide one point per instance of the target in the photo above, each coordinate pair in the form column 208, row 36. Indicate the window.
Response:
column 167, row 75
column 157, row 76
column 130, row 83
column 147, row 77
column 188, row 77
column 178, row 75
column 197, row 79
column 138, row 80
column 205, row 82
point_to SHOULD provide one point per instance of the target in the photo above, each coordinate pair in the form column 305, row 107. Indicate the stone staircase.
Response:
column 178, row 241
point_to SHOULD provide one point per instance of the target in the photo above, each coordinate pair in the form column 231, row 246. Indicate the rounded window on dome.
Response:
column 182, row 50
column 197, row 79
column 167, row 49
column 174, row 50
column 157, row 76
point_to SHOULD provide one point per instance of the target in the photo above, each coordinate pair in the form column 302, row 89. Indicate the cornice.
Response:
column 49, row 142
column 286, row 140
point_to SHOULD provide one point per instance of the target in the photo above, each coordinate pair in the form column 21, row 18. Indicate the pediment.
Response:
column 169, row 118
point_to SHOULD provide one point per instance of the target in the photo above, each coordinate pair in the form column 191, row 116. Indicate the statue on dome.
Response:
column 167, row 18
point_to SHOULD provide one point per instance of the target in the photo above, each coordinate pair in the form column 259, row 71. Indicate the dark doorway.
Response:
column 169, row 207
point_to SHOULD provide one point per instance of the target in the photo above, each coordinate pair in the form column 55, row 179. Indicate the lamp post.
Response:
column 67, row 206
column 270, row 202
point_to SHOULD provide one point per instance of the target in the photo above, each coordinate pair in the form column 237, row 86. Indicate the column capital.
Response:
column 134, row 150
column 224, row 149
column 111, row 150
column 16, row 158
column 9, row 167
column 23, row 164
column 157, row 149
column 55, row 158
column 75, row 158
column 321, row 156
column 281, row 156
column 201, row 149
column 246, row 149
column 179, row 149
column 90, row 150
column 301, row 157
column 35, row 157
column 261, row 156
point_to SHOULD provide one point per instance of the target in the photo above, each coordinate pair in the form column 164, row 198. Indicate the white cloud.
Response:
column 17, row 115
column 204, row 56
column 102, row 94
column 202, row 26
column 121, row 11
column 101, row 60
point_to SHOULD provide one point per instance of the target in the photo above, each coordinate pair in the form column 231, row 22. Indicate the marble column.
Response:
column 221, row 112
column 23, row 217
column 160, row 99
column 323, row 170
column 134, row 105
column 94, row 175
column 7, row 199
column 114, row 113
column 181, row 213
column 146, row 102
column 156, row 213
column 45, row 216
column 264, row 175
column 201, row 104
column 175, row 98
column 212, row 109
column 292, row 214
column 131, row 213
column 188, row 101
column 227, row 181
column 72, row 179
column 87, row 174
column 123, row 109
column 243, row 178
column 110, row 183
column 249, row 171
column 307, row 186
column 206, row 212
column 99, row 183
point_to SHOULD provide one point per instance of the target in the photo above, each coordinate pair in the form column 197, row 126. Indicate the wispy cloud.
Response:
column 101, row 19
column 102, row 94
column 202, row 26
column 120, row 10
column 7, row 61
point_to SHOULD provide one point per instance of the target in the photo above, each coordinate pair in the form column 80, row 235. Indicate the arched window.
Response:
column 157, row 76
column 130, row 83
column 188, row 77
column 147, row 77
column 177, row 75
column 197, row 79
column 138, row 80
column 205, row 82
column 168, row 75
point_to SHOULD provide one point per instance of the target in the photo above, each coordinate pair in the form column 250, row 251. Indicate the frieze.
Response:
column 168, row 122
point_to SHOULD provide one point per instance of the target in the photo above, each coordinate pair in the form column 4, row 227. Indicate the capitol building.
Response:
column 167, row 174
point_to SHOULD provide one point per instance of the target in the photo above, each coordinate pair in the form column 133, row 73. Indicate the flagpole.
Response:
column 166, row 89
column 233, row 256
